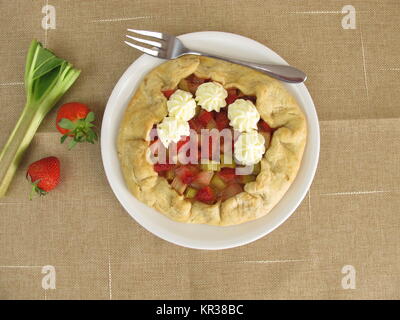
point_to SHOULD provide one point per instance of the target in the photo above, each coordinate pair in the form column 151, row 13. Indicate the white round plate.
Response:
column 205, row 236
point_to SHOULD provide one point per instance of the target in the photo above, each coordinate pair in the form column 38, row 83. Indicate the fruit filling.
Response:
column 209, row 176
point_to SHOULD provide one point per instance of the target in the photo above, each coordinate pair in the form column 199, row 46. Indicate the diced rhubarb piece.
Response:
column 190, row 193
column 160, row 167
column 187, row 173
column 263, row 126
column 232, row 96
column 227, row 161
column 246, row 178
column 205, row 117
column 178, row 185
column 168, row 93
column 221, row 120
column 267, row 138
column 170, row 174
column 227, row 174
column 206, row 195
column 257, row 168
column 231, row 191
column 202, row 179
column 217, row 182
column 210, row 165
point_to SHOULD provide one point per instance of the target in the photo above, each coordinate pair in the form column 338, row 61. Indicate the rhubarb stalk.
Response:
column 47, row 78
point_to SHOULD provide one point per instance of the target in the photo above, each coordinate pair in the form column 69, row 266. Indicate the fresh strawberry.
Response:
column 206, row 195
column 227, row 174
column 44, row 175
column 232, row 96
column 187, row 173
column 168, row 93
column 160, row 167
column 75, row 120
column 263, row 126
column 221, row 119
column 205, row 117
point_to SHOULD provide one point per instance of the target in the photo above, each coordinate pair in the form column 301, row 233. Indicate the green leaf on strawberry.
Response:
column 36, row 190
column 80, row 130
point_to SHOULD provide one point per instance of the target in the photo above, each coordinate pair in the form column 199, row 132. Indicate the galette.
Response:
column 211, row 142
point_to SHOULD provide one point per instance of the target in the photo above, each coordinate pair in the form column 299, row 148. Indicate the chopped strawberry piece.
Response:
column 155, row 146
column 230, row 191
column 160, row 167
column 193, row 82
column 211, row 124
column 205, row 117
column 213, row 147
column 227, row 142
column 251, row 98
column 222, row 120
column 227, row 174
column 196, row 80
column 262, row 125
column 168, row 93
column 195, row 125
column 232, row 96
column 206, row 195
column 182, row 142
column 187, row 173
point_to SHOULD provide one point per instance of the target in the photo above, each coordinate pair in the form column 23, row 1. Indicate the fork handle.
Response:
column 281, row 72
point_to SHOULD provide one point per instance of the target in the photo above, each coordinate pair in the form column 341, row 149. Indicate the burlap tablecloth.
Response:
column 349, row 217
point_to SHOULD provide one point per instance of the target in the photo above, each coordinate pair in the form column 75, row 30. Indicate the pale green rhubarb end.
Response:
column 47, row 78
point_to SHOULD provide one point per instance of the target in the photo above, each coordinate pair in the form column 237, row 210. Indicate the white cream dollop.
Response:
column 181, row 105
column 211, row 96
column 243, row 115
column 171, row 130
column 249, row 148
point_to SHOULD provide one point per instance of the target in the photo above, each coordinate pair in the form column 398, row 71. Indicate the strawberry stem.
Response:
column 79, row 130
column 36, row 190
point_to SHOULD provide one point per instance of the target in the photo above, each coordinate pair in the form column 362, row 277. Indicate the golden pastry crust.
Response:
column 279, row 165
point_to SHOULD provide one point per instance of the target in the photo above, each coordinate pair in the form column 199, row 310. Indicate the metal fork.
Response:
column 170, row 47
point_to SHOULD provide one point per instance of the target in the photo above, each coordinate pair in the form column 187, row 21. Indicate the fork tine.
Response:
column 152, row 52
column 152, row 43
column 147, row 33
